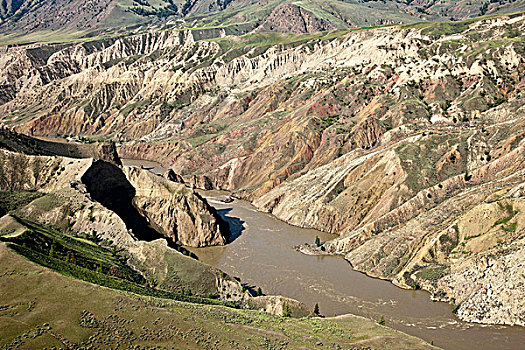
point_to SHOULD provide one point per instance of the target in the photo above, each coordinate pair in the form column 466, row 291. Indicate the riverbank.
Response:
column 263, row 254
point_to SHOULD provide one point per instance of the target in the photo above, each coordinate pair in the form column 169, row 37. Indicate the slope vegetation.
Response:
column 407, row 141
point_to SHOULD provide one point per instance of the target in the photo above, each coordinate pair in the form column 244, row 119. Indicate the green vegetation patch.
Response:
column 504, row 222
column 420, row 159
column 448, row 28
column 233, row 47
column 78, row 258
column 511, row 214
column 432, row 273
column 12, row 200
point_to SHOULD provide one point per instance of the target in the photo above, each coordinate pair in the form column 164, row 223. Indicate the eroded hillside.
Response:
column 399, row 139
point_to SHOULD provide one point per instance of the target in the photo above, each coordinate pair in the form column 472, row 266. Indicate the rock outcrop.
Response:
column 68, row 202
column 279, row 305
column 290, row 18
column 172, row 176
column 180, row 214
column 387, row 137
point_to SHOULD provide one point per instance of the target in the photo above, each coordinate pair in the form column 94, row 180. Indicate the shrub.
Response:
column 286, row 311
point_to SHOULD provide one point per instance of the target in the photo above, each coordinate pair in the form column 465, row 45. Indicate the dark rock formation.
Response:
column 290, row 18
column 172, row 176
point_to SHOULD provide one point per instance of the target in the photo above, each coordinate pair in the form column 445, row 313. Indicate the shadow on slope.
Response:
column 235, row 225
column 108, row 185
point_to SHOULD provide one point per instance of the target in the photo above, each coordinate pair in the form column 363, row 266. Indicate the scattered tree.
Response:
column 94, row 237
column 13, row 173
column 286, row 311
column 52, row 251
column 259, row 291
column 37, row 167
column 317, row 241
column 316, row 309
column 381, row 321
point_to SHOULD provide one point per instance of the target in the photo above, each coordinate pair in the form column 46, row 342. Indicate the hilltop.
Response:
column 64, row 21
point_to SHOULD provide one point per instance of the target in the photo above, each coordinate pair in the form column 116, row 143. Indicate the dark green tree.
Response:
column 286, row 311
column 316, row 309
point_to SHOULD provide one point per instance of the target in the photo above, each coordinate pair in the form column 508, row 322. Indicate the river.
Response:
column 262, row 254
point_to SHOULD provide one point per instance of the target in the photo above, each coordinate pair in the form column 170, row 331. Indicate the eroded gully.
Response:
column 262, row 254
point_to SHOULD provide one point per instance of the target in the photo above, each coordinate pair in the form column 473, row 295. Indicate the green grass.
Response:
column 75, row 257
column 34, row 301
column 270, row 39
column 432, row 273
column 450, row 28
column 511, row 213
column 470, row 237
column 201, row 139
column 510, row 228
column 16, row 199
column 53, row 37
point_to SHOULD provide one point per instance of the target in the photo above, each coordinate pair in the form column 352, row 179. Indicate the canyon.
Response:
column 402, row 145
column 406, row 141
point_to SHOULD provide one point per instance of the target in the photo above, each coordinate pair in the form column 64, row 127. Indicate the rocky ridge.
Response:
column 387, row 137
column 68, row 204
column 290, row 18
column 62, row 20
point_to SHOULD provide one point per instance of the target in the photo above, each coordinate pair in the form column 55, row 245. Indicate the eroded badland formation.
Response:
column 407, row 141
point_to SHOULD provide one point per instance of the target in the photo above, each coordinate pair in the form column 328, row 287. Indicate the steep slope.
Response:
column 63, row 21
column 15, row 142
column 388, row 137
column 289, row 18
column 28, row 16
column 144, row 198
column 93, row 200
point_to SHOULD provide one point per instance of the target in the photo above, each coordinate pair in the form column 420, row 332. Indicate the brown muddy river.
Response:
column 262, row 254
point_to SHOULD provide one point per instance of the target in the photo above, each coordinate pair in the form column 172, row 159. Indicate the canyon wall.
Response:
column 389, row 137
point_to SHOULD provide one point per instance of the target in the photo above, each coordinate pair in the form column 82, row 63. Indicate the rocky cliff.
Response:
column 180, row 213
column 388, row 137
column 87, row 197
